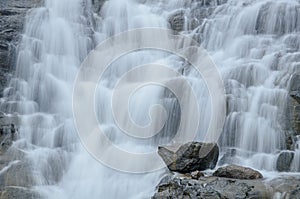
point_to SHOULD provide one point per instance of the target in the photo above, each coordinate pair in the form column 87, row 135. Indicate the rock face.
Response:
column 12, row 18
column 237, row 172
column 210, row 188
column 191, row 157
column 292, row 114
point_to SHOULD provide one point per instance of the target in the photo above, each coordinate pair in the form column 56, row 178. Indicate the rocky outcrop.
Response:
column 173, row 186
column 294, row 103
column 237, row 172
column 12, row 18
column 182, row 186
column 291, row 120
column 191, row 157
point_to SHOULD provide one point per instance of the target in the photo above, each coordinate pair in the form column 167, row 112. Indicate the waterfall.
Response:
column 251, row 43
column 255, row 45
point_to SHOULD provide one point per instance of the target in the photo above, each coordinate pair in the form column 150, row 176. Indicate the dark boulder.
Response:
column 191, row 157
column 237, row 172
column 284, row 161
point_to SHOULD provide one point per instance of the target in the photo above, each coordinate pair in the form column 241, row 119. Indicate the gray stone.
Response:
column 191, row 157
column 17, row 173
column 210, row 188
column 237, row 172
column 284, row 161
column 179, row 186
column 287, row 187
column 12, row 19
column 177, row 20
column 18, row 192
column 97, row 5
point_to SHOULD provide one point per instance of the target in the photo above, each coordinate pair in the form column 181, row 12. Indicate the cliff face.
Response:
column 12, row 18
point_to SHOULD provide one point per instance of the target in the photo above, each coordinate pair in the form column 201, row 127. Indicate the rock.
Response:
column 210, row 187
column 284, row 161
column 12, row 19
column 174, row 186
column 291, row 121
column 17, row 173
column 18, row 192
column 287, row 187
column 191, row 157
column 97, row 5
column 8, row 134
column 196, row 175
column 177, row 20
column 237, row 172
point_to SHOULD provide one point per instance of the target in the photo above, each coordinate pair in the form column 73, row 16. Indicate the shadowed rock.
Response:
column 191, row 157
column 237, row 172
column 284, row 161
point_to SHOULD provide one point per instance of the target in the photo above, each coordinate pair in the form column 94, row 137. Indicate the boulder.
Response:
column 237, row 172
column 191, row 157
column 284, row 161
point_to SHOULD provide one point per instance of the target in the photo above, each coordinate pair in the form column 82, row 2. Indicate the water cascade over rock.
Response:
column 256, row 47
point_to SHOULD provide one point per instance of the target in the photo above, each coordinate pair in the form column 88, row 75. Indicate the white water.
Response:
column 255, row 46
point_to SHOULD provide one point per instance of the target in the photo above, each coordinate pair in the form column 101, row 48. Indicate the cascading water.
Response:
column 256, row 46
column 254, row 43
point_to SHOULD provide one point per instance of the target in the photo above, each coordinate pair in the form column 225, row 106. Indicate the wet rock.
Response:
column 191, row 157
column 18, row 192
column 196, row 175
column 97, row 5
column 292, row 113
column 17, row 173
column 237, row 172
column 177, row 20
column 294, row 103
column 210, row 187
column 8, row 133
column 12, row 17
column 287, row 187
column 284, row 161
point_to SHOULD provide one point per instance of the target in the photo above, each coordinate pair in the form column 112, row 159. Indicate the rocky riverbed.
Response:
column 226, row 182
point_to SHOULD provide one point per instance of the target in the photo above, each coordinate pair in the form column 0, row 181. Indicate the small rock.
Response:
column 237, row 172
column 196, row 175
column 191, row 157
